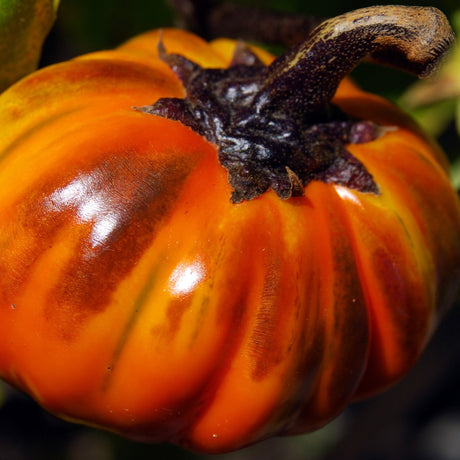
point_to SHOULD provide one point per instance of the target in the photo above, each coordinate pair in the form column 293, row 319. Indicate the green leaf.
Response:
column 455, row 172
column 24, row 24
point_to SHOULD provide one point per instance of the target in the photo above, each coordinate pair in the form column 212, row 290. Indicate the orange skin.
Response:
column 136, row 297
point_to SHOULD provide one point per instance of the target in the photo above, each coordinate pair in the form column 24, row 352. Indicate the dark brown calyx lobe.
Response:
column 275, row 126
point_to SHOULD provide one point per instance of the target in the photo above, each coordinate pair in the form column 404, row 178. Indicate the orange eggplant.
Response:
column 156, row 284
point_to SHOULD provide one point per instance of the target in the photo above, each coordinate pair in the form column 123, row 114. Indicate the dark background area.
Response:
column 418, row 419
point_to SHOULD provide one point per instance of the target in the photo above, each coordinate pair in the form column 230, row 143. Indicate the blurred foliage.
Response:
column 402, row 416
column 88, row 25
column 24, row 25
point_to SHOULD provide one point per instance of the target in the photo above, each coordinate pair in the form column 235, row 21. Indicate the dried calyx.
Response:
column 275, row 126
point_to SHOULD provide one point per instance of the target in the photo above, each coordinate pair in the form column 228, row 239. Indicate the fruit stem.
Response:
column 406, row 37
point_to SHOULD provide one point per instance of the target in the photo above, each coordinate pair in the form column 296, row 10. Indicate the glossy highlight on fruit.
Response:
column 139, row 297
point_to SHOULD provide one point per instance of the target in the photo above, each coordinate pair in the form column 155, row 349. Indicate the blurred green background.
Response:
column 418, row 419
